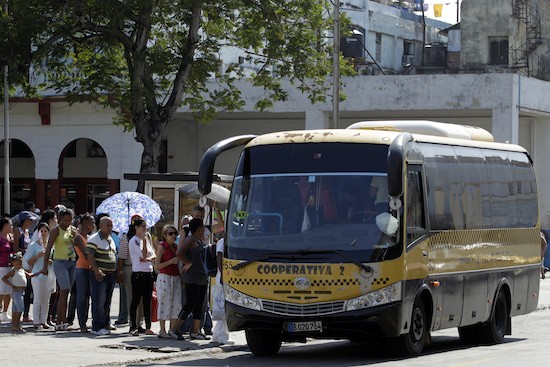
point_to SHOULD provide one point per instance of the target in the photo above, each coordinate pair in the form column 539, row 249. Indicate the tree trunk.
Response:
column 149, row 134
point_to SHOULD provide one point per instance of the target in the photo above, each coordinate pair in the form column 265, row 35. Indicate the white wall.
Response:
column 514, row 108
column 68, row 123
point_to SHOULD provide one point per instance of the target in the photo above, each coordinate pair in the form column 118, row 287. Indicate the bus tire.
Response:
column 412, row 343
column 493, row 331
column 263, row 342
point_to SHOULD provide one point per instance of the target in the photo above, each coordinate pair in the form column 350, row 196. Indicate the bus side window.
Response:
column 416, row 227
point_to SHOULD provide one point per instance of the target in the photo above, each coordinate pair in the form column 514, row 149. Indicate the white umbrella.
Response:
column 219, row 194
column 122, row 206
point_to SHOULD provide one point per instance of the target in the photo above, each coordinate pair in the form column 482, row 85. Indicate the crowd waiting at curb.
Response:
column 63, row 263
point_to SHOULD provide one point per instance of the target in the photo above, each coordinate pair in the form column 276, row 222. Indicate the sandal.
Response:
column 150, row 332
column 164, row 335
column 176, row 335
column 61, row 327
column 199, row 336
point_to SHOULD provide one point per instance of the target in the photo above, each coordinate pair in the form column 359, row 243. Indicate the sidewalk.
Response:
column 71, row 348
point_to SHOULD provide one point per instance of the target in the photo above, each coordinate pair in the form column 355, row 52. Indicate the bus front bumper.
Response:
column 381, row 321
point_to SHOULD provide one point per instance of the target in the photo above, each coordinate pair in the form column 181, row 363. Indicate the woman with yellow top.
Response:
column 64, row 262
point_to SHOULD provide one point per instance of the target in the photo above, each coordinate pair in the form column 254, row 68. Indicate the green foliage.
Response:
column 146, row 58
column 91, row 49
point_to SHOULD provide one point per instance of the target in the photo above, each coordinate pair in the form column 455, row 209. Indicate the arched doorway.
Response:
column 82, row 181
column 22, row 168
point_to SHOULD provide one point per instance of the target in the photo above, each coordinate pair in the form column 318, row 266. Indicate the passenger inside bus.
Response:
column 350, row 207
column 378, row 191
column 287, row 203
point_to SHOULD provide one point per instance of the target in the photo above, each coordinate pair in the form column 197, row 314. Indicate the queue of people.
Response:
column 43, row 263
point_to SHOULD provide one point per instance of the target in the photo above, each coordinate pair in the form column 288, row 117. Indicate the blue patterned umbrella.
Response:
column 122, row 206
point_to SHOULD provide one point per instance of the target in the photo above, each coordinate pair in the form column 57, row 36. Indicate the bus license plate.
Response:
column 300, row 327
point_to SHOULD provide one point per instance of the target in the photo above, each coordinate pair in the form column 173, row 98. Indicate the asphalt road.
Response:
column 529, row 345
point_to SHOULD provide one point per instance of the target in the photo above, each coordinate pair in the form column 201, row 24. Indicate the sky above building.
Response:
column 448, row 10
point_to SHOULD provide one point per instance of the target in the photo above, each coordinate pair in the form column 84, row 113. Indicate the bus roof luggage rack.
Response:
column 426, row 127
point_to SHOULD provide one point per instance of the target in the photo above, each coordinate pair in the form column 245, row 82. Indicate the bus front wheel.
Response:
column 263, row 342
column 412, row 343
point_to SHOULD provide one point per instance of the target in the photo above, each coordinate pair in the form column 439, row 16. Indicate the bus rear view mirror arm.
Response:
column 206, row 169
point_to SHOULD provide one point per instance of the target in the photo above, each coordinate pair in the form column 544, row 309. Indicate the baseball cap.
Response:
column 24, row 215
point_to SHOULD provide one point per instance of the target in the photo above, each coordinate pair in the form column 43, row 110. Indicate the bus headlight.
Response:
column 240, row 299
column 382, row 296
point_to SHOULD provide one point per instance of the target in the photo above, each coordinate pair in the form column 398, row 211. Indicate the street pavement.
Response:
column 72, row 348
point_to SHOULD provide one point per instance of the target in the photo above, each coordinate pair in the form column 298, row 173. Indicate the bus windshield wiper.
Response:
column 340, row 253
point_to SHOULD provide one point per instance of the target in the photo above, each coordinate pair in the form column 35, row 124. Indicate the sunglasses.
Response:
column 171, row 233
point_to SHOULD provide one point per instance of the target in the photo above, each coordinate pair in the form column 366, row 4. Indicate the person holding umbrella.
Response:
column 142, row 255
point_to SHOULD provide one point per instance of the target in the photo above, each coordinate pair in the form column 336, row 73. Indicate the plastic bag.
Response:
column 25, row 260
column 387, row 224
column 52, row 280
column 218, row 302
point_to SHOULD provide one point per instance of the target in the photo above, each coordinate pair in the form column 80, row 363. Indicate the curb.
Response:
column 174, row 355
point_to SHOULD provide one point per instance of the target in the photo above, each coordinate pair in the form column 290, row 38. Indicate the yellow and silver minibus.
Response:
column 386, row 230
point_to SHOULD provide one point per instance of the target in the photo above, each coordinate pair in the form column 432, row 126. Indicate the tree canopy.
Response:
column 147, row 58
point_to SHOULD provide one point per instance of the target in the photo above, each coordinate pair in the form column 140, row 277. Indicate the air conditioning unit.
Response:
column 407, row 60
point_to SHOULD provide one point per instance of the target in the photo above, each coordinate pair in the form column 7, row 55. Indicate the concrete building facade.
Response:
column 506, row 36
column 514, row 107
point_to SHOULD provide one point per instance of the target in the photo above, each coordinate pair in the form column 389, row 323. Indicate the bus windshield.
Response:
column 275, row 208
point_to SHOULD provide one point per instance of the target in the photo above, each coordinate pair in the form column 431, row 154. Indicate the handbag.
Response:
column 209, row 260
column 154, row 306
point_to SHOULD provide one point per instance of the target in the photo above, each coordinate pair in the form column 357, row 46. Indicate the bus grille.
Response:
column 314, row 309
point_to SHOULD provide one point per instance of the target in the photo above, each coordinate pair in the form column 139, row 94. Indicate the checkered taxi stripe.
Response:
column 320, row 288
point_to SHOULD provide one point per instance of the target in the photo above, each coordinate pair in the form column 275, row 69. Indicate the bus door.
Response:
column 416, row 236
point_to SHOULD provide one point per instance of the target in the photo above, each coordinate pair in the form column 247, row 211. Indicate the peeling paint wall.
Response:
column 483, row 19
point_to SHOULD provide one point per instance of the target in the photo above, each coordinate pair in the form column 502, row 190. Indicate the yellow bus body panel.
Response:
column 329, row 281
